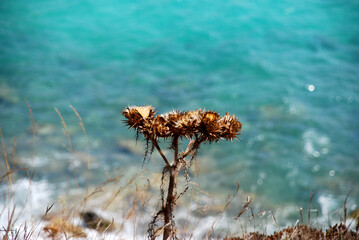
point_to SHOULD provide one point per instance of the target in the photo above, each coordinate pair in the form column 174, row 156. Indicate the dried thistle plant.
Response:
column 198, row 126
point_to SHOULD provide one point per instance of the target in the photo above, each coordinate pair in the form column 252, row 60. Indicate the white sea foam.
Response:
column 28, row 198
column 327, row 204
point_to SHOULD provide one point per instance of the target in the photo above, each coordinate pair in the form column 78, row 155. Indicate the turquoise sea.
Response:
column 289, row 70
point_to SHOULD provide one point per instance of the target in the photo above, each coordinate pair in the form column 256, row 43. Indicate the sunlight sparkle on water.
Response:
column 310, row 88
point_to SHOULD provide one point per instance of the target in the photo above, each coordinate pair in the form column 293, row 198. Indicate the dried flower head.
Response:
column 160, row 127
column 192, row 121
column 210, row 127
column 175, row 123
column 138, row 115
column 200, row 123
column 230, row 127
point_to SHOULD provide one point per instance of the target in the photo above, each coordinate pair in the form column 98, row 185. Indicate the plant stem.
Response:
column 174, row 170
column 170, row 204
column 171, row 193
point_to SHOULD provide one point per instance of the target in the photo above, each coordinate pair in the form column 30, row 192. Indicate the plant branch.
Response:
column 160, row 151
column 192, row 147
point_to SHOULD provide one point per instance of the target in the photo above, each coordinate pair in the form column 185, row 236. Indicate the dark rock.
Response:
column 94, row 221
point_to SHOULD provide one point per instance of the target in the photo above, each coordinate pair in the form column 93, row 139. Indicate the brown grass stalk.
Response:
column 11, row 172
column 33, row 128
column 6, row 159
column 311, row 195
column 9, row 224
column 67, row 134
column 115, row 195
column 219, row 216
column 86, row 138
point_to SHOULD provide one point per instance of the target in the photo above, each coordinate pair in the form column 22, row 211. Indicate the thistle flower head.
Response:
column 230, row 126
column 160, row 127
column 138, row 115
column 189, row 122
column 210, row 127
column 175, row 123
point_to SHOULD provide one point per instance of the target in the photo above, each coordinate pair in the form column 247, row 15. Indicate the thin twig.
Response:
column 345, row 207
column 274, row 219
column 244, row 207
column 310, row 204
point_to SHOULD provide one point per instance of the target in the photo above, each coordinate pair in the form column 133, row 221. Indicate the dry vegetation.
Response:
column 304, row 232
column 76, row 218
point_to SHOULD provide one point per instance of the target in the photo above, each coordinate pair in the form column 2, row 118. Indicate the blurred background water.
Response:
column 288, row 69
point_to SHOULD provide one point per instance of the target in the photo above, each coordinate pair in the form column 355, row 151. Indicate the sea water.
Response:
column 289, row 70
